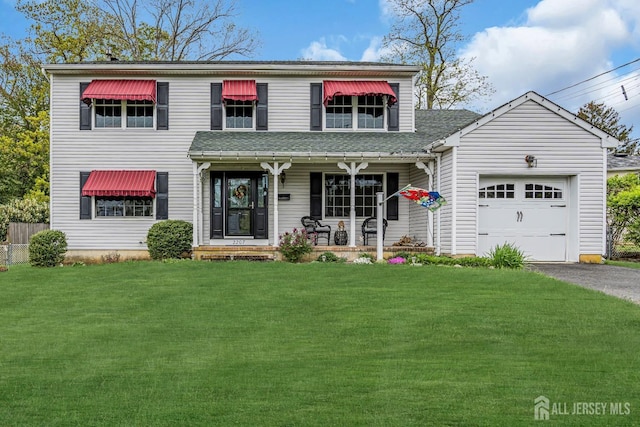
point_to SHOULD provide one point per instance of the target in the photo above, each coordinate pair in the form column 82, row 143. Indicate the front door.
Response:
column 239, row 208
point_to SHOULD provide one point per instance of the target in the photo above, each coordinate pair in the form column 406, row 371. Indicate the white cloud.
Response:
column 562, row 42
column 374, row 51
column 319, row 51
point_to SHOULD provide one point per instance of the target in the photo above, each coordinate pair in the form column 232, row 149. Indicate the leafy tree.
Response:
column 66, row 30
column 425, row 32
column 607, row 119
column 77, row 31
column 623, row 207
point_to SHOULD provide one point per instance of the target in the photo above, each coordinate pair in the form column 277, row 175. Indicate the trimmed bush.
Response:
column 171, row 238
column 47, row 248
column 507, row 256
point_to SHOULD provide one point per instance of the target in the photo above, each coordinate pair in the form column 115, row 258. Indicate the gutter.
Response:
column 309, row 155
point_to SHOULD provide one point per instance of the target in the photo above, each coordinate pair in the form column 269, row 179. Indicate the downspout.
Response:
column 438, row 224
column 454, row 193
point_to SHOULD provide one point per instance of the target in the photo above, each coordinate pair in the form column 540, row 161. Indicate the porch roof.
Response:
column 431, row 125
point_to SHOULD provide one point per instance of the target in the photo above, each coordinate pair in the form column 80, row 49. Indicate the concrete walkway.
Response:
column 620, row 282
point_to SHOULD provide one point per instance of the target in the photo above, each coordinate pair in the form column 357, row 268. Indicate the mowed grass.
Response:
column 237, row 343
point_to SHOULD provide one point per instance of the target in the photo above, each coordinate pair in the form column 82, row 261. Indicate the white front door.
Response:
column 530, row 213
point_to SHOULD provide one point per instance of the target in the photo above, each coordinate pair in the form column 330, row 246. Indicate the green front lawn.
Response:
column 235, row 343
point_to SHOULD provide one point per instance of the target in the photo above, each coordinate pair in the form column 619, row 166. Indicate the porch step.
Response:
column 236, row 257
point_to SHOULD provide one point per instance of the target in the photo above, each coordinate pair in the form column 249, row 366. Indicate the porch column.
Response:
column 197, row 202
column 275, row 171
column 428, row 169
column 353, row 171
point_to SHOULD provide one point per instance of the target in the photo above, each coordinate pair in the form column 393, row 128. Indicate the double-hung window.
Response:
column 124, row 104
column 338, row 193
column 356, row 112
column 357, row 104
column 109, row 114
column 239, row 114
column 240, row 98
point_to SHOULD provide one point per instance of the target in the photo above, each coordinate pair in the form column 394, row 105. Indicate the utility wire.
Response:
column 594, row 77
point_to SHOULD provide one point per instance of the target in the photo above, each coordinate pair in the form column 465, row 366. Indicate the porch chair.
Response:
column 369, row 227
column 314, row 228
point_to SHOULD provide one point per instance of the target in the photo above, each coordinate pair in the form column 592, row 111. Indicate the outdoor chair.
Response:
column 315, row 229
column 370, row 228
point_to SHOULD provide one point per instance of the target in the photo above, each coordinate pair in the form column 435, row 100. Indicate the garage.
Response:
column 531, row 213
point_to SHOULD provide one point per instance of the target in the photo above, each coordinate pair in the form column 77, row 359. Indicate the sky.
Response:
column 520, row 45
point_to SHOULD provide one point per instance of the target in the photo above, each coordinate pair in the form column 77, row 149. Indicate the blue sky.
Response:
column 520, row 45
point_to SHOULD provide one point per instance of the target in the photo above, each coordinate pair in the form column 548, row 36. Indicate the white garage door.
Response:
column 530, row 213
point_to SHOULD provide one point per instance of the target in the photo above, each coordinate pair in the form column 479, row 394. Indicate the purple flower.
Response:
column 397, row 260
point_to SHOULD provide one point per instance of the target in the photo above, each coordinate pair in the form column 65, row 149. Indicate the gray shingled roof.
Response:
column 623, row 162
column 431, row 125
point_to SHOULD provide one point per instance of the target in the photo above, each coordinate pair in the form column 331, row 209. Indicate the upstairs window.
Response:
column 238, row 114
column 357, row 104
column 139, row 114
column 239, row 97
column 124, row 104
column 340, row 113
column 108, row 113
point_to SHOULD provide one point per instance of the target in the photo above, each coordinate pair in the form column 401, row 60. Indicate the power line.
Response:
column 594, row 77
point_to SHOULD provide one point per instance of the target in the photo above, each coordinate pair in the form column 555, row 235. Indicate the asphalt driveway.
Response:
column 620, row 282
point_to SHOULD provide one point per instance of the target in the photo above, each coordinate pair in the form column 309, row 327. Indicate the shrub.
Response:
column 170, row 239
column 330, row 257
column 507, row 256
column 47, row 248
column 294, row 245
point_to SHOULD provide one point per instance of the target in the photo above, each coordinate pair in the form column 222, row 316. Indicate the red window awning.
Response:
column 239, row 90
column 120, row 183
column 131, row 90
column 357, row 88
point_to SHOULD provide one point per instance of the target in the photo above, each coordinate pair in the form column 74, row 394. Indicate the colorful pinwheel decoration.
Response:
column 431, row 200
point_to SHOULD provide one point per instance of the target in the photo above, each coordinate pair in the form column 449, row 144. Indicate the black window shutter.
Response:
column 393, row 182
column 315, row 187
column 394, row 110
column 162, row 105
column 162, row 195
column 85, row 110
column 85, row 201
column 262, row 106
column 216, row 106
column 316, row 106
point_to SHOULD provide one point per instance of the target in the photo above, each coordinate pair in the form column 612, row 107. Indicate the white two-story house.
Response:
column 244, row 150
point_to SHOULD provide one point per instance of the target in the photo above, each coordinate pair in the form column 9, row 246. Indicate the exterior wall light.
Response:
column 531, row 160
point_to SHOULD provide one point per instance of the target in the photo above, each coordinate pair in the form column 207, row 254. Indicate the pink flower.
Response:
column 397, row 260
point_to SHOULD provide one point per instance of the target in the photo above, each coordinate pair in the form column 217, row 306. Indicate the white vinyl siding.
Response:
column 562, row 149
column 446, row 212
column 74, row 151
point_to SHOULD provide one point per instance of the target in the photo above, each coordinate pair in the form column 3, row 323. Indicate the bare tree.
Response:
column 425, row 32
column 175, row 30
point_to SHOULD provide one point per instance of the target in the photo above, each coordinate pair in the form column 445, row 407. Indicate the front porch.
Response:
column 271, row 253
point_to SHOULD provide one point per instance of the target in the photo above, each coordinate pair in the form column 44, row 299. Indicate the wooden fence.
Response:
column 20, row 232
